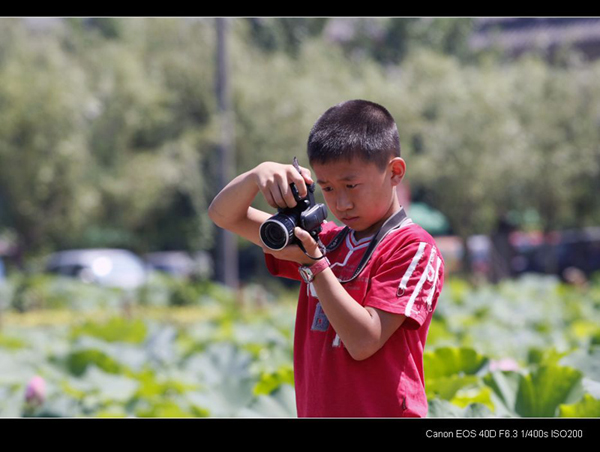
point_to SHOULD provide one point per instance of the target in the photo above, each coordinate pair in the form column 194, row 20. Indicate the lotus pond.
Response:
column 528, row 347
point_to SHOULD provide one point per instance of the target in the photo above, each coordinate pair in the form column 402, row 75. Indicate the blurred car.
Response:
column 107, row 267
column 180, row 263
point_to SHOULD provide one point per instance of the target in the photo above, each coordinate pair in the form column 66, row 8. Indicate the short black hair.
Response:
column 354, row 129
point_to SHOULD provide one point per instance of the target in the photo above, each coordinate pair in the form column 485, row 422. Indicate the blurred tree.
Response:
column 110, row 137
column 277, row 97
column 107, row 27
column 390, row 40
column 43, row 152
column 152, row 134
column 495, row 139
column 446, row 35
column 112, row 134
column 285, row 34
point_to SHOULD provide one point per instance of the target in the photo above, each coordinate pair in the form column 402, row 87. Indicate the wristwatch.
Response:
column 308, row 273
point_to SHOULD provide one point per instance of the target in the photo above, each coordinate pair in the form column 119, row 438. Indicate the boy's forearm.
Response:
column 363, row 330
column 359, row 328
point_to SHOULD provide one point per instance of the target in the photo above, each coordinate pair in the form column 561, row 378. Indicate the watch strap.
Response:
column 308, row 273
column 319, row 266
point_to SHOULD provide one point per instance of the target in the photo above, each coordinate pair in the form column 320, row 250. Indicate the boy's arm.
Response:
column 231, row 209
column 363, row 330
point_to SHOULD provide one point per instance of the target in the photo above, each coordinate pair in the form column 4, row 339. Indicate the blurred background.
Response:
column 119, row 297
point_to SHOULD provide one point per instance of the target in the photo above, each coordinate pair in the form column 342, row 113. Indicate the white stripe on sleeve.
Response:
column 415, row 294
column 433, row 286
column 411, row 269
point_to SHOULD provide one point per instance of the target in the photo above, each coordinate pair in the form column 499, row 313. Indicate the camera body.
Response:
column 278, row 231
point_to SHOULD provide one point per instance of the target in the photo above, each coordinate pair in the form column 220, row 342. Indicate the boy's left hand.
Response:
column 294, row 253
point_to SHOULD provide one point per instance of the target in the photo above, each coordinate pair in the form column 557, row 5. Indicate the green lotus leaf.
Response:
column 113, row 330
column 588, row 406
column 446, row 387
column 468, row 396
column 270, row 381
column 447, row 361
column 279, row 403
column 537, row 393
column 78, row 362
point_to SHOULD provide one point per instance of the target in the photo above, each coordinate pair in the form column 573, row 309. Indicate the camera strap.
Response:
column 391, row 224
column 319, row 244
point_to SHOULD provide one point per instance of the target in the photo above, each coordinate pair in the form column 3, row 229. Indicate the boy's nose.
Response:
column 343, row 203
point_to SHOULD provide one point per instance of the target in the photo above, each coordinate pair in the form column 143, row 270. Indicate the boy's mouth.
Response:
column 349, row 219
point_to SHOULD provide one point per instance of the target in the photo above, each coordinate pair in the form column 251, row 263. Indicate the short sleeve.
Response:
column 408, row 282
column 281, row 268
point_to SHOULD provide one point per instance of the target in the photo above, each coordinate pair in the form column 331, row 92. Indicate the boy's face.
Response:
column 359, row 194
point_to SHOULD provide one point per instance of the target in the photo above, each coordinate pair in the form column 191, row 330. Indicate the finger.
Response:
column 275, row 192
column 308, row 242
column 306, row 174
column 300, row 183
column 303, row 236
column 269, row 198
column 282, row 191
column 288, row 195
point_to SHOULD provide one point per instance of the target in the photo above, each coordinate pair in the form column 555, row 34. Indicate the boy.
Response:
column 365, row 308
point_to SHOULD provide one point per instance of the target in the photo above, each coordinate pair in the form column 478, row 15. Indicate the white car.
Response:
column 108, row 267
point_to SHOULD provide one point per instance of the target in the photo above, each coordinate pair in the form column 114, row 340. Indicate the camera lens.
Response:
column 276, row 232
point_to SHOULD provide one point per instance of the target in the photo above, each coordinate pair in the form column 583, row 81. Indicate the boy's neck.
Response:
column 372, row 231
column 358, row 237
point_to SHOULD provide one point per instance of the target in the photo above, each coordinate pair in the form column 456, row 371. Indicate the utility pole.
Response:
column 227, row 257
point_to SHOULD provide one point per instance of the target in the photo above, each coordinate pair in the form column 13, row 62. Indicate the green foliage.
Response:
column 115, row 329
column 79, row 361
column 269, row 382
column 553, row 365
column 542, row 391
column 588, row 406
column 538, row 393
column 11, row 343
column 27, row 292
column 165, row 290
column 37, row 291
column 391, row 40
column 445, row 409
column 214, row 359
column 509, row 128
column 284, row 34
column 519, row 318
column 280, row 403
column 446, row 361
column 116, row 132
column 452, row 375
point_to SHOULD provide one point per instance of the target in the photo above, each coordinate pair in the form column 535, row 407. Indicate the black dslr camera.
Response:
column 278, row 231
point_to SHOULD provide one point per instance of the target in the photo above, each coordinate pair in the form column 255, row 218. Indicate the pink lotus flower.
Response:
column 35, row 392
column 504, row 364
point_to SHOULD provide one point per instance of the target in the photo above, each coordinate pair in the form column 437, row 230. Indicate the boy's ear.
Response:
column 397, row 166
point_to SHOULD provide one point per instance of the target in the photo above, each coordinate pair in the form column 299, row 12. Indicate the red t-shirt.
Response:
column 404, row 276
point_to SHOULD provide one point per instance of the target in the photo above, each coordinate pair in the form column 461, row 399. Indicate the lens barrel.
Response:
column 277, row 232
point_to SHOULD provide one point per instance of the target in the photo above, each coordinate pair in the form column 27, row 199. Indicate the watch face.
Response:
column 306, row 274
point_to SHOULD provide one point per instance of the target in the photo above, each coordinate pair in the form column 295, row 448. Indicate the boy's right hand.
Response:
column 274, row 179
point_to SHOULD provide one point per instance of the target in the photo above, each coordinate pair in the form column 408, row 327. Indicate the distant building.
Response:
column 516, row 35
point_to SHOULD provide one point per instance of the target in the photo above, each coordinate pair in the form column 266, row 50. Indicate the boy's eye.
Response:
column 351, row 185
column 326, row 189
